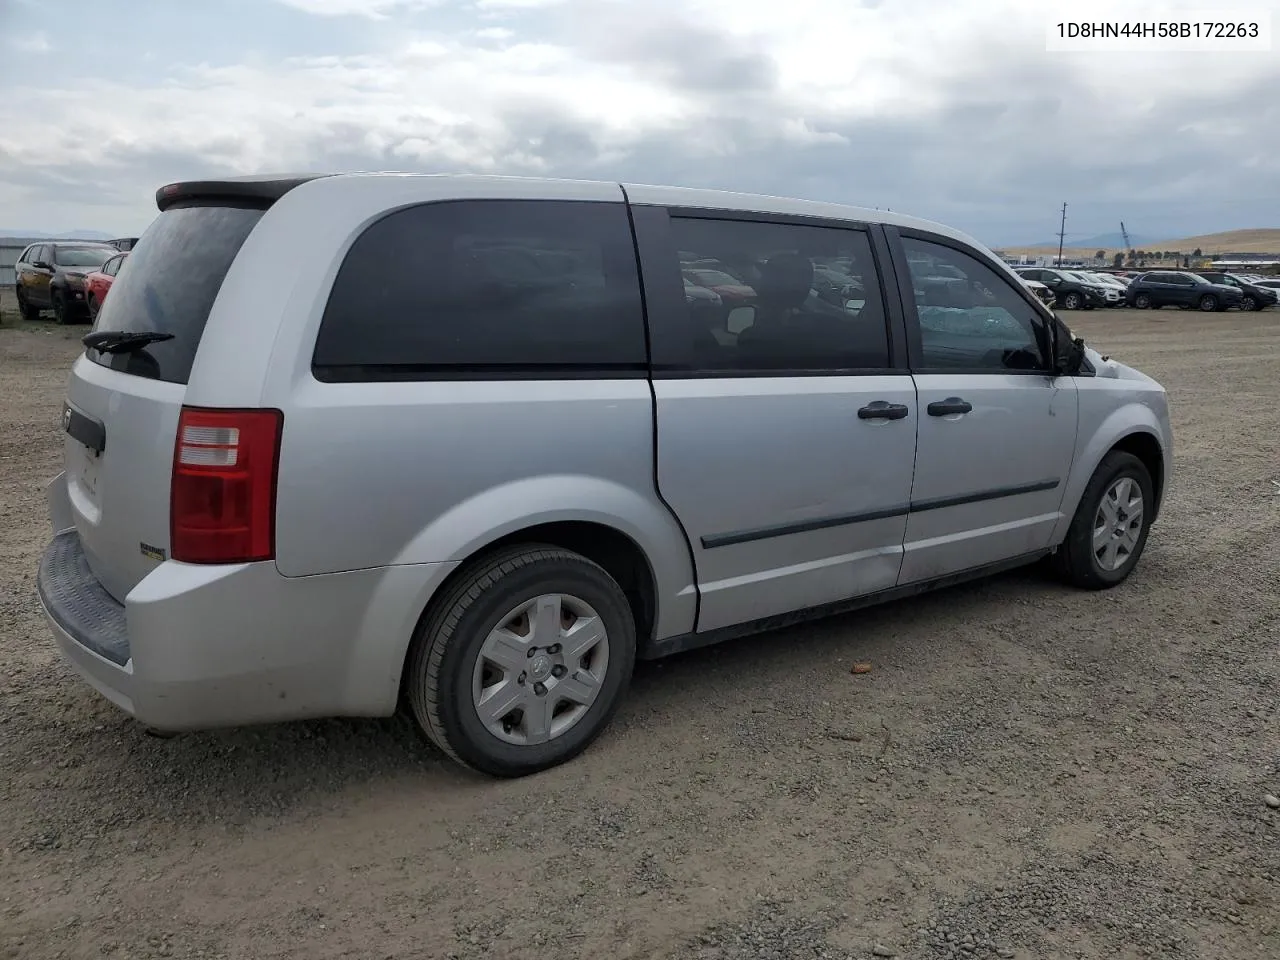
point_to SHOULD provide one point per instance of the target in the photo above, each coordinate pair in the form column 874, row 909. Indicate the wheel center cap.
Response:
column 540, row 667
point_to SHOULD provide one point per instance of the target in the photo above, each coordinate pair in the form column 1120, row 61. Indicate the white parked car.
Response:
column 1041, row 290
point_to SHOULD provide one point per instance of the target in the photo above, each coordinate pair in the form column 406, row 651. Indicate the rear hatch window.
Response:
column 168, row 285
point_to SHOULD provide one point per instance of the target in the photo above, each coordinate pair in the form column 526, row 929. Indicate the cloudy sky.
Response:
column 948, row 109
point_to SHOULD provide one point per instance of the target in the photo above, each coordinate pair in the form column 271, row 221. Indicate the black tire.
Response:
column 1208, row 303
column 1072, row 301
column 1142, row 301
column 61, row 313
column 1075, row 560
column 26, row 310
column 1249, row 304
column 91, row 304
column 443, row 654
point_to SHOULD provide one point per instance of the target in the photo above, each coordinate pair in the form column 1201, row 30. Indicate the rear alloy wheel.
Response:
column 523, row 661
column 1248, row 303
column 1142, row 301
column 1071, row 301
column 1208, row 303
column 1109, row 530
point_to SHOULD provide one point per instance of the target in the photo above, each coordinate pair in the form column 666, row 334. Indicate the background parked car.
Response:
column 1113, row 284
column 1040, row 290
column 1255, row 296
column 97, row 283
column 1176, row 288
column 1113, row 295
column 1071, row 292
column 51, row 276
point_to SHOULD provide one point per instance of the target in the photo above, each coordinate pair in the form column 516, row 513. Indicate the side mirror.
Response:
column 739, row 319
column 42, row 265
column 1068, row 351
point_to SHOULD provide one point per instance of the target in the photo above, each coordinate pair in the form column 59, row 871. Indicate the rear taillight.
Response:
column 222, row 500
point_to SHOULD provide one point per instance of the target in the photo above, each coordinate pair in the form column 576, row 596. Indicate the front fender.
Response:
column 492, row 514
column 1095, row 441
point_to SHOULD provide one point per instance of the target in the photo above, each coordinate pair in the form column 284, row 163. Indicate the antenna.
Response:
column 1062, row 233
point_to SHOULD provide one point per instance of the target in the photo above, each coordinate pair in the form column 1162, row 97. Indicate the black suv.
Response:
column 1176, row 288
column 1254, row 296
column 50, row 276
column 1069, row 292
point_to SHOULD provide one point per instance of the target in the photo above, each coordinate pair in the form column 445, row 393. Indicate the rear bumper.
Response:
column 196, row 647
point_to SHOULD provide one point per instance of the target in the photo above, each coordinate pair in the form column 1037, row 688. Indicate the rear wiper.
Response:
column 121, row 341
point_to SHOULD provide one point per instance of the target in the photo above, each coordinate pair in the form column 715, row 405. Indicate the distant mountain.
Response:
column 1258, row 240
column 63, row 235
column 1103, row 241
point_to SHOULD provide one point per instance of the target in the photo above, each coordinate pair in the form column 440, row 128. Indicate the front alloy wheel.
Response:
column 1109, row 530
column 61, row 313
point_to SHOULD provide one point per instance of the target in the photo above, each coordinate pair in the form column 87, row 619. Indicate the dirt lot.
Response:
column 1027, row 772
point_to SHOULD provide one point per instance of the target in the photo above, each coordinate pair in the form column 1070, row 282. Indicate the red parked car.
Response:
column 99, row 282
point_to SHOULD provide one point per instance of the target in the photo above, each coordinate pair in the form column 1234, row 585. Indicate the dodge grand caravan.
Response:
column 466, row 444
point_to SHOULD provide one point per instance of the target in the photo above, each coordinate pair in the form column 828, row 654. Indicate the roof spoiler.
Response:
column 263, row 190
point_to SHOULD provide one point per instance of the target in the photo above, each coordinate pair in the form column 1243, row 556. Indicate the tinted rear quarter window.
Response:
column 174, row 276
column 486, row 288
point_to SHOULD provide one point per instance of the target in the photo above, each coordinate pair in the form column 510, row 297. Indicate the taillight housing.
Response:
column 222, row 499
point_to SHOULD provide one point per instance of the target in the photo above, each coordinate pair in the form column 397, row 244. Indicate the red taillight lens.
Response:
column 222, row 500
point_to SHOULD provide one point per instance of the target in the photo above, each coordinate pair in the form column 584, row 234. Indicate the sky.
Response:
column 951, row 110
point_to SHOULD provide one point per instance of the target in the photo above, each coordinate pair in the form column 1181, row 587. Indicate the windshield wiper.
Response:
column 121, row 341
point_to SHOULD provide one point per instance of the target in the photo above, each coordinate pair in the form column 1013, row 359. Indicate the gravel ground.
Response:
column 1026, row 772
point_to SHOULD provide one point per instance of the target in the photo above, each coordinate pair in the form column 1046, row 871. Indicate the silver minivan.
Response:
column 473, row 445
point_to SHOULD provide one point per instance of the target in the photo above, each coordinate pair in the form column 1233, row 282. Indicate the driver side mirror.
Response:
column 1068, row 351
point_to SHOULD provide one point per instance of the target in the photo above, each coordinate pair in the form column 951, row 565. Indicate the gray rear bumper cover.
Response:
column 78, row 603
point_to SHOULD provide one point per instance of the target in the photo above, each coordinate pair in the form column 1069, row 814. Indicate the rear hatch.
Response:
column 123, row 407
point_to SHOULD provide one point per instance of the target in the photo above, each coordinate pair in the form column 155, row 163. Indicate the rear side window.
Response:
column 174, row 275
column 767, row 298
column 486, row 288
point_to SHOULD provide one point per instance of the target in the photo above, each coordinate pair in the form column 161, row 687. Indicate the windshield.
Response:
column 174, row 275
column 82, row 256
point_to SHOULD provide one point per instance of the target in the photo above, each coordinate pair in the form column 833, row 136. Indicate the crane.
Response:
column 1125, row 233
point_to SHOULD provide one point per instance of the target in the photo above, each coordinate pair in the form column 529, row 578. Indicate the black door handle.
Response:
column 883, row 410
column 949, row 406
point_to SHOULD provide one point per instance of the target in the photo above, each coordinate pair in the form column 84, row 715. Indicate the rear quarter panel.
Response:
column 409, row 473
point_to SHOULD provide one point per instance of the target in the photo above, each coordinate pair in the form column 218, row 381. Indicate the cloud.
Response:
column 942, row 108
column 31, row 43
column 373, row 9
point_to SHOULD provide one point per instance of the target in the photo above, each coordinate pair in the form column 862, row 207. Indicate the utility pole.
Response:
column 1062, row 233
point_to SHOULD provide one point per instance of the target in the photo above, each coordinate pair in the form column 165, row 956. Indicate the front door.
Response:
column 996, row 432
column 785, row 437
column 36, row 276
